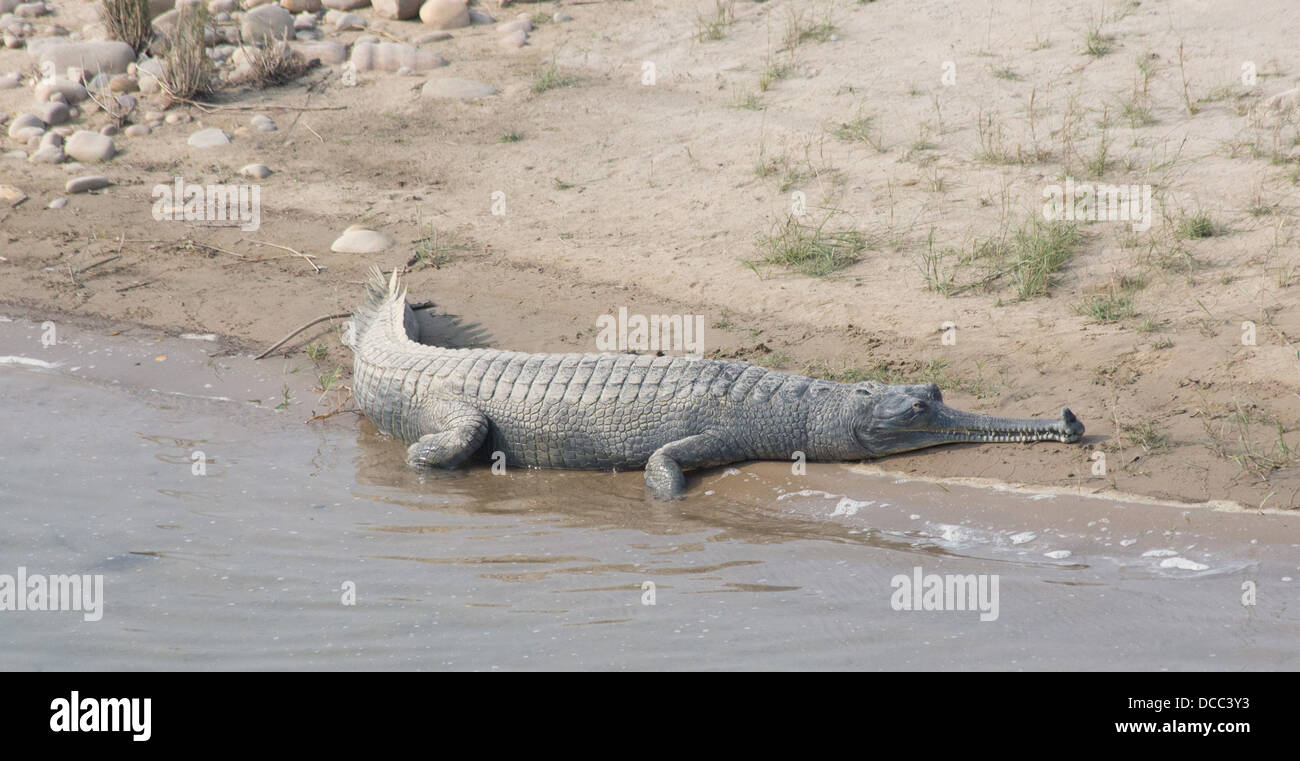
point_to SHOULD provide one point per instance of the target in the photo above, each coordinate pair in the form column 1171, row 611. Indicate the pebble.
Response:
column 108, row 56
column 260, row 171
column 222, row 6
column 345, row 5
column 87, row 182
column 153, row 116
column 11, row 195
column 176, row 117
column 524, row 25
column 262, row 123
column 209, row 138
column 514, row 40
column 400, row 10
column 72, row 92
column 304, row 21
column 24, row 121
column 85, row 145
column 10, row 81
column 561, row 17
column 47, row 155
column 445, row 14
column 58, row 203
column 137, row 130
column 358, row 240
column 454, row 87
column 52, row 113
column 345, row 21
column 327, row 52
column 300, row 6
column 31, row 10
column 266, row 22
column 27, row 134
column 123, row 83
column 479, row 18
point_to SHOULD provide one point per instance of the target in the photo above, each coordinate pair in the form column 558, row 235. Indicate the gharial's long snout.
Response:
column 951, row 426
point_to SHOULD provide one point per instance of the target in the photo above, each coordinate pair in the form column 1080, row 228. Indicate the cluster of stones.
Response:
column 83, row 72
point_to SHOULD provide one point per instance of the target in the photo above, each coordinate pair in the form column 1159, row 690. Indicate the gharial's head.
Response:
column 891, row 419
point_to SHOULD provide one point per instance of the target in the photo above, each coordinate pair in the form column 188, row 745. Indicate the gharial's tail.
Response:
column 384, row 299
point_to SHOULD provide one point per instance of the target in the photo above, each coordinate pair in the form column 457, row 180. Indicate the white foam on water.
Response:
column 1183, row 563
column 1127, row 542
column 1057, row 554
column 1159, row 553
column 28, row 361
column 1023, row 537
column 199, row 336
column 848, row 506
column 807, row 493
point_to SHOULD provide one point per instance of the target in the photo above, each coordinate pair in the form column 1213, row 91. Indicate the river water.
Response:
column 234, row 535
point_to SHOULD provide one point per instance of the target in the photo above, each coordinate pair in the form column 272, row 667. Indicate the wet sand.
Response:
column 246, row 567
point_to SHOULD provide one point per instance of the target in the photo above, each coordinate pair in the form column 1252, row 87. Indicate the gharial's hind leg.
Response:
column 663, row 471
column 455, row 430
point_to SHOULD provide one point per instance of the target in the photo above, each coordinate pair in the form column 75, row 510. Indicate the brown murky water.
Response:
column 247, row 566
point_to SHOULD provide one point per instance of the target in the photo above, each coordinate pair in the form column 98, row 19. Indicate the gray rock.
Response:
column 72, row 92
column 300, row 6
column 267, row 22
column 514, row 40
column 47, row 155
column 87, row 182
column 24, row 121
column 28, row 134
column 396, row 9
column 90, row 146
column 58, row 203
column 209, row 138
column 258, row 171
column 345, row 5
column 111, row 57
column 10, row 81
column 345, row 21
column 561, row 17
column 30, row 10
column 52, row 113
column 479, row 18
column 262, row 123
column 445, row 14
column 326, row 51
column 518, row 24
column 456, row 88
column 137, row 130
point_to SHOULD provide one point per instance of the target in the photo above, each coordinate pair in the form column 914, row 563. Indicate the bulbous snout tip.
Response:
column 1071, row 425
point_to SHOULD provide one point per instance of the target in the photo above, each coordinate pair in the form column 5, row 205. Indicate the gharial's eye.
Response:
column 920, row 406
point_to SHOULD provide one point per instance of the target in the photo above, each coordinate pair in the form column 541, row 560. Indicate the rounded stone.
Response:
column 400, row 10
column 445, row 14
column 25, row 121
column 359, row 240
column 51, row 112
column 137, row 130
column 263, row 123
column 58, row 203
column 209, row 138
column 87, row 182
column 85, row 145
column 259, row 171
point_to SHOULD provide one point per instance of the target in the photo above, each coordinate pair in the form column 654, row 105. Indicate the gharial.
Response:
column 626, row 411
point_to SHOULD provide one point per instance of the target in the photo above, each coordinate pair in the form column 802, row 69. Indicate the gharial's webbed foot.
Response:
column 458, row 430
column 663, row 471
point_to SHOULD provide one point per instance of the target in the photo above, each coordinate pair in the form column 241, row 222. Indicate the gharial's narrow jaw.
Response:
column 929, row 422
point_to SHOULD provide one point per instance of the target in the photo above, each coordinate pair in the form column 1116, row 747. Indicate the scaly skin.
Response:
column 625, row 411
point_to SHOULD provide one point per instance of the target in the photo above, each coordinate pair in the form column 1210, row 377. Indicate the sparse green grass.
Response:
column 510, row 137
column 329, row 380
column 935, row 268
column 1199, row 224
column 814, row 250
column 1238, row 441
column 316, row 351
column 437, row 249
column 773, row 71
column 559, row 184
column 550, row 78
column 1147, row 435
column 801, row 28
column 1112, row 305
column 1096, row 43
column 189, row 72
column 1007, row 73
column 750, row 102
column 710, row 28
column 1037, row 251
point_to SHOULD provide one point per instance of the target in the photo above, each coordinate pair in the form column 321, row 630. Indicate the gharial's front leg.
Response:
column 451, row 432
column 663, row 471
